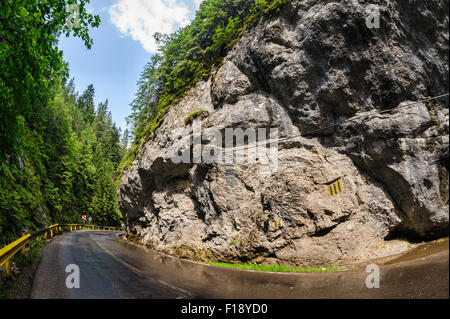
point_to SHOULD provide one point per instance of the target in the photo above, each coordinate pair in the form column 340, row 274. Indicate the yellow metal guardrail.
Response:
column 8, row 252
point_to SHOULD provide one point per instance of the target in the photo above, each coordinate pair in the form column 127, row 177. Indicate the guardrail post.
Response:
column 23, row 248
column 51, row 233
column 8, row 269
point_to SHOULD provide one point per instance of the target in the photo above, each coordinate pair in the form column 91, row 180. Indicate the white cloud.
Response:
column 141, row 19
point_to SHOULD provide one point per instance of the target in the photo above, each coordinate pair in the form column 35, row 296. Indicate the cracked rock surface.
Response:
column 309, row 65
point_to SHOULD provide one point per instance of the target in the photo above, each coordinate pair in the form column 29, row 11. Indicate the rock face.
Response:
column 312, row 64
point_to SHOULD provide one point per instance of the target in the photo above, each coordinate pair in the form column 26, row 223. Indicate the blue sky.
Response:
column 123, row 44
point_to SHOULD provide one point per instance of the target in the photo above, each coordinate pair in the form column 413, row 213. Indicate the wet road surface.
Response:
column 111, row 268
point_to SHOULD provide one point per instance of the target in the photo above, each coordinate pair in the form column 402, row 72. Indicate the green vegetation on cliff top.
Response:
column 187, row 56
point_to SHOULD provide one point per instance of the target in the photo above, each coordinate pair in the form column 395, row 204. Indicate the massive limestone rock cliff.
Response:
column 312, row 64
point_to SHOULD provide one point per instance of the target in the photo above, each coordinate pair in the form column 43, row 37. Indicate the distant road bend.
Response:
column 111, row 268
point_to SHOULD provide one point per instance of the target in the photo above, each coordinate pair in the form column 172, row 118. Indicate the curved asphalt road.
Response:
column 111, row 268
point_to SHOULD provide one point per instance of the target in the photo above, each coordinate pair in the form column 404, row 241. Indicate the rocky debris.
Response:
column 312, row 64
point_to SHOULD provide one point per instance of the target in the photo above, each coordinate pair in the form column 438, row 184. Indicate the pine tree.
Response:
column 86, row 104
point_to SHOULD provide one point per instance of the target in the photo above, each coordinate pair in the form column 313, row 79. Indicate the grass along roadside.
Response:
column 274, row 268
column 414, row 251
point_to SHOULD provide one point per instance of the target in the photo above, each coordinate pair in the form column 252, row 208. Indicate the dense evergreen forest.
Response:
column 58, row 151
column 70, row 151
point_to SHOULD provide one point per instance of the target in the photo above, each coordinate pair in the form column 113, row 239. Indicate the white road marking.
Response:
column 140, row 273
